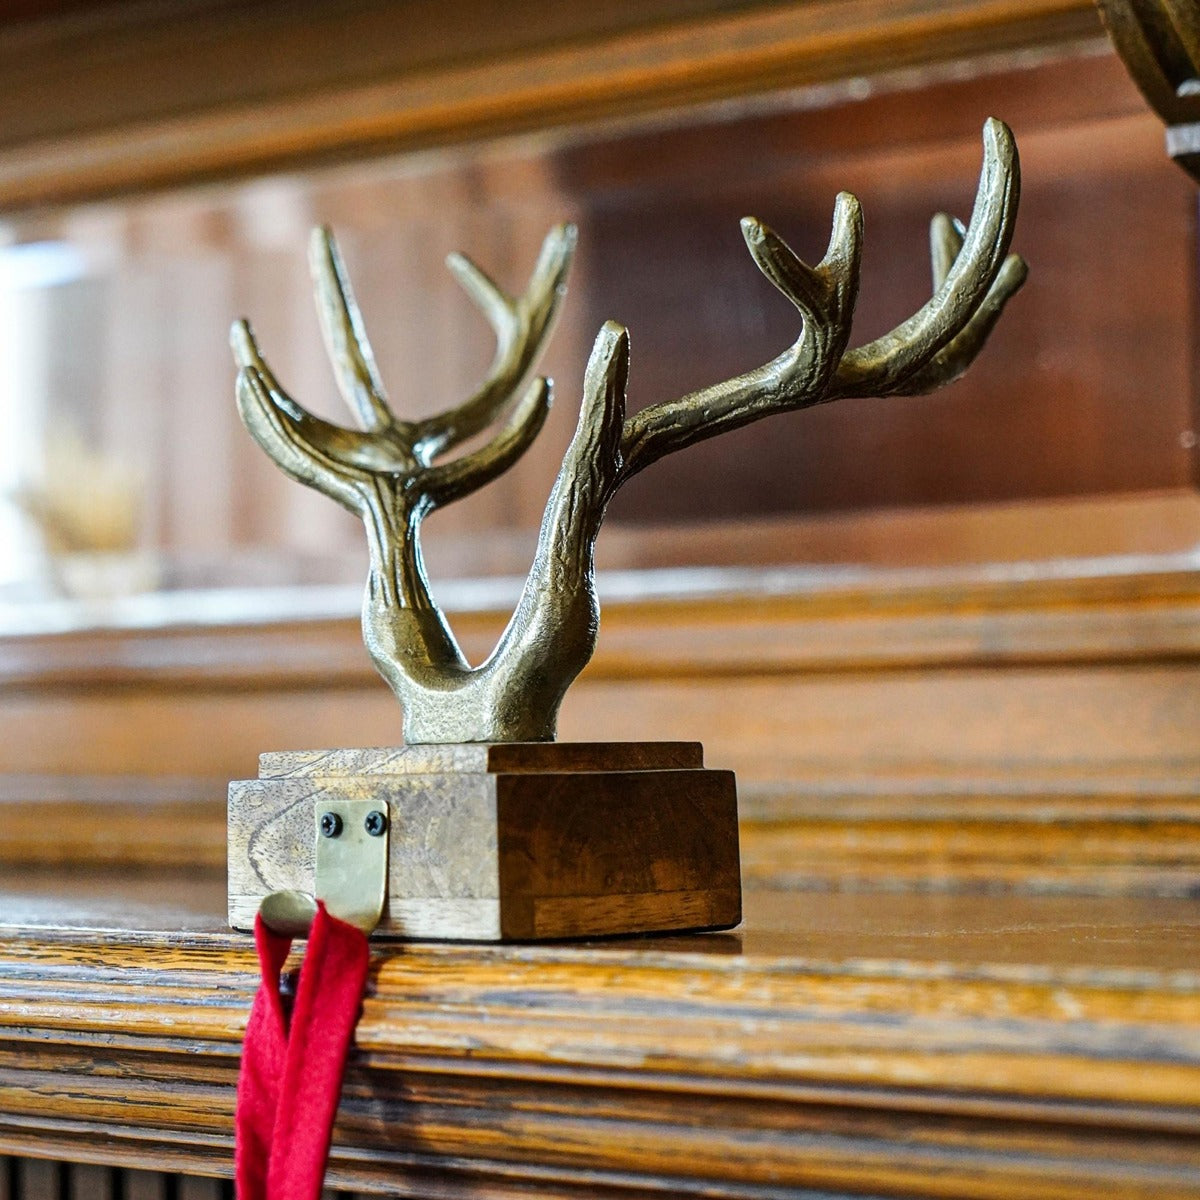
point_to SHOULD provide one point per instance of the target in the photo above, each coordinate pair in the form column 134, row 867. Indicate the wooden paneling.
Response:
column 1027, row 729
column 1084, row 394
column 137, row 96
column 1031, row 831
column 904, row 739
column 112, row 820
column 688, row 625
column 1132, row 832
column 888, row 1046
column 983, row 670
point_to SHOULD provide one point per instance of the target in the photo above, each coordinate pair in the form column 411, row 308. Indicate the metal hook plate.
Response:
column 351, row 838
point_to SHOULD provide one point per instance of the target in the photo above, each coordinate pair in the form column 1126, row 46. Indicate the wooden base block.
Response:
column 513, row 841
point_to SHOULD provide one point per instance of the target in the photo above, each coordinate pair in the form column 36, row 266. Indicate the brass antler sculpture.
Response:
column 387, row 475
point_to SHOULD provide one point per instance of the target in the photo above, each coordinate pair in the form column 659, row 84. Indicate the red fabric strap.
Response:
column 291, row 1078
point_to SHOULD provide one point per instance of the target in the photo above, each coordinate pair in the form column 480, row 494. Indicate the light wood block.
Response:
column 507, row 842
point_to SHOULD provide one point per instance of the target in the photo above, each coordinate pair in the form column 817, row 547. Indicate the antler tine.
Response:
column 290, row 435
column 824, row 295
column 345, row 334
column 497, row 306
column 947, row 365
column 521, row 325
column 460, row 477
column 593, row 457
column 889, row 365
column 558, row 606
column 946, row 235
column 585, row 484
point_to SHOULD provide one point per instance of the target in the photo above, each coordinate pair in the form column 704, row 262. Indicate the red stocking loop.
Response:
column 291, row 1078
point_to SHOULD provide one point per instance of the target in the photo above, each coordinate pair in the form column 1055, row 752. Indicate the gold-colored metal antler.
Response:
column 972, row 281
column 387, row 476
column 384, row 472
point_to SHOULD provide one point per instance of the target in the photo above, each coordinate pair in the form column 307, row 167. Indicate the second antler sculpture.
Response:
column 390, row 473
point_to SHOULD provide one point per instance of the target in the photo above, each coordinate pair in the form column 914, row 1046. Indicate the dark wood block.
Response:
column 507, row 842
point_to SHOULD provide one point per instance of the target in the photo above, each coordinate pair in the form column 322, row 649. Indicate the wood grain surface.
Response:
column 483, row 757
column 1070, row 832
column 695, row 624
column 520, row 841
column 840, row 1044
column 1067, row 832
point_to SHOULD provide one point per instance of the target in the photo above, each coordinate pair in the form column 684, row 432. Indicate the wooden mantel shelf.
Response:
column 867, row 1044
column 131, row 96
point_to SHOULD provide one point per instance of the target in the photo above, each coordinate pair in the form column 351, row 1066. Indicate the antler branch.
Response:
column 345, row 334
column 972, row 283
column 460, row 476
column 337, row 460
column 304, row 447
column 824, row 296
column 386, row 472
column 553, row 631
column 946, row 241
column 522, row 327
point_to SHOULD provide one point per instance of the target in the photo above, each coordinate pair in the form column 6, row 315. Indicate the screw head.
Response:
column 331, row 825
column 375, row 823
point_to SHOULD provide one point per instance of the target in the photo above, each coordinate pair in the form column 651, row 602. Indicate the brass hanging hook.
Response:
column 350, row 870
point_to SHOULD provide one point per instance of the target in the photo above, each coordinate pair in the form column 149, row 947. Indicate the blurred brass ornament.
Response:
column 1159, row 43
column 392, row 475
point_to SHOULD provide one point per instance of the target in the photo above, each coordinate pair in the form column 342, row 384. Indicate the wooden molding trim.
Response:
column 906, row 1047
column 1089, row 831
column 152, row 97
column 1158, row 40
column 1079, row 669
column 701, row 624
column 116, row 821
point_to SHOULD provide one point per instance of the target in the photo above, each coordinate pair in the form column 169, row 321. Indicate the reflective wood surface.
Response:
column 894, row 1045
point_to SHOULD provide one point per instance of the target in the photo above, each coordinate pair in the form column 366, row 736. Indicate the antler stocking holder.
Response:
column 482, row 826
